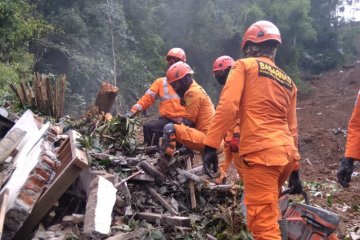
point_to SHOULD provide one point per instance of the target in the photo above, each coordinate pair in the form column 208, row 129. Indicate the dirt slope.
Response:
column 322, row 118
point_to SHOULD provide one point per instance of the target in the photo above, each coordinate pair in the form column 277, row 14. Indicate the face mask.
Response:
column 221, row 79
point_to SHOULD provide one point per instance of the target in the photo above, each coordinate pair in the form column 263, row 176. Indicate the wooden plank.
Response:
column 194, row 177
column 164, row 220
column 52, row 194
column 162, row 201
column 17, row 93
column 49, row 96
column 3, row 205
column 24, row 93
column 191, row 185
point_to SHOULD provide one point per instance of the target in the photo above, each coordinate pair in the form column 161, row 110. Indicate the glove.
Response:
column 295, row 183
column 234, row 143
column 168, row 142
column 187, row 122
column 210, row 161
column 130, row 114
column 346, row 168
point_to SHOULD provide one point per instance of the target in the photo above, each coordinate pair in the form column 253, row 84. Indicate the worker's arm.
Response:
column 148, row 98
column 293, row 127
column 353, row 136
column 192, row 106
column 227, row 109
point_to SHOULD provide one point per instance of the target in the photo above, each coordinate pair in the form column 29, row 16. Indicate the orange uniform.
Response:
column 169, row 106
column 353, row 137
column 263, row 98
column 229, row 155
column 200, row 110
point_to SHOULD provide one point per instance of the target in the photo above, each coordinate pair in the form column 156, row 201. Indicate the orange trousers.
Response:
column 192, row 138
column 262, row 183
column 229, row 157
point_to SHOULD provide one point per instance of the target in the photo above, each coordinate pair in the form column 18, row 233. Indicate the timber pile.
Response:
column 43, row 93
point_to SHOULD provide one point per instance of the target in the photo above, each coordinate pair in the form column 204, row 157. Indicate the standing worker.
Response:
column 352, row 152
column 263, row 98
column 199, row 110
column 170, row 108
column 221, row 69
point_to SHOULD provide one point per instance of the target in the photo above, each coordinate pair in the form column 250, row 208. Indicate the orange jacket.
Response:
column 169, row 106
column 198, row 106
column 353, row 137
column 263, row 98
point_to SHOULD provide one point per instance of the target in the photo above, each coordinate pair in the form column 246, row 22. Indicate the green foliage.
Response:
column 18, row 25
column 349, row 40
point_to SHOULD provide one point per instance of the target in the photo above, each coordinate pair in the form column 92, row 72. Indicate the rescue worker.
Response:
column 199, row 111
column 263, row 98
column 170, row 108
column 221, row 69
column 352, row 152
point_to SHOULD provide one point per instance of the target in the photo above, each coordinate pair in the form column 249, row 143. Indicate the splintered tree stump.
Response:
column 106, row 97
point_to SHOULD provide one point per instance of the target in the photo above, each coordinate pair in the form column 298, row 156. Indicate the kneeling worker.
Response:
column 199, row 111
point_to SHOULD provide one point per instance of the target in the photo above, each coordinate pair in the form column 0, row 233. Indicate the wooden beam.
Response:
column 191, row 185
column 194, row 177
column 10, row 142
column 3, row 205
column 162, row 201
column 151, row 170
column 164, row 220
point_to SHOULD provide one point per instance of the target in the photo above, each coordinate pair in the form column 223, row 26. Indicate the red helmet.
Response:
column 176, row 53
column 222, row 63
column 177, row 71
column 261, row 31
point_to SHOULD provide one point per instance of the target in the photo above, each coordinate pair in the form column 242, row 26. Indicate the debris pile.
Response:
column 89, row 178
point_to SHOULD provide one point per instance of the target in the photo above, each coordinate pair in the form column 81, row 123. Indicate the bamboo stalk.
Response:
column 23, row 89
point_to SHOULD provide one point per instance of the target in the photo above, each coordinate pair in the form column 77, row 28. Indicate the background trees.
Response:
column 78, row 38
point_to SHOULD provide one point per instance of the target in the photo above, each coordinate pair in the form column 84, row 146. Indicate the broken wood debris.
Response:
column 115, row 195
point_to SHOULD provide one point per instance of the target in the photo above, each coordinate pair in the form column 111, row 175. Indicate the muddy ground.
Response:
column 322, row 119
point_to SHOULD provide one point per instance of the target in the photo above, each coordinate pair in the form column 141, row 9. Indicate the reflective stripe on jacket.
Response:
column 169, row 106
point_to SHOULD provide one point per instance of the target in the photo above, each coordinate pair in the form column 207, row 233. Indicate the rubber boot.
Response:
column 283, row 225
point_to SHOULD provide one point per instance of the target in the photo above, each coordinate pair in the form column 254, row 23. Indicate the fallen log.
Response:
column 162, row 201
column 164, row 220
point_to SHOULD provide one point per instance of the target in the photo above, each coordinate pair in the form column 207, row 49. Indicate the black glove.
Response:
column 295, row 183
column 188, row 123
column 346, row 168
column 211, row 161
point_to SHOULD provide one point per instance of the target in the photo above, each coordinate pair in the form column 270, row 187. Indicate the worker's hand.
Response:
column 234, row 143
column 130, row 114
column 295, row 183
column 211, row 161
column 346, row 168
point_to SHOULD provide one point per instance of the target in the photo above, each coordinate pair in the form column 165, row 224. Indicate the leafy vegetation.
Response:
column 78, row 40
